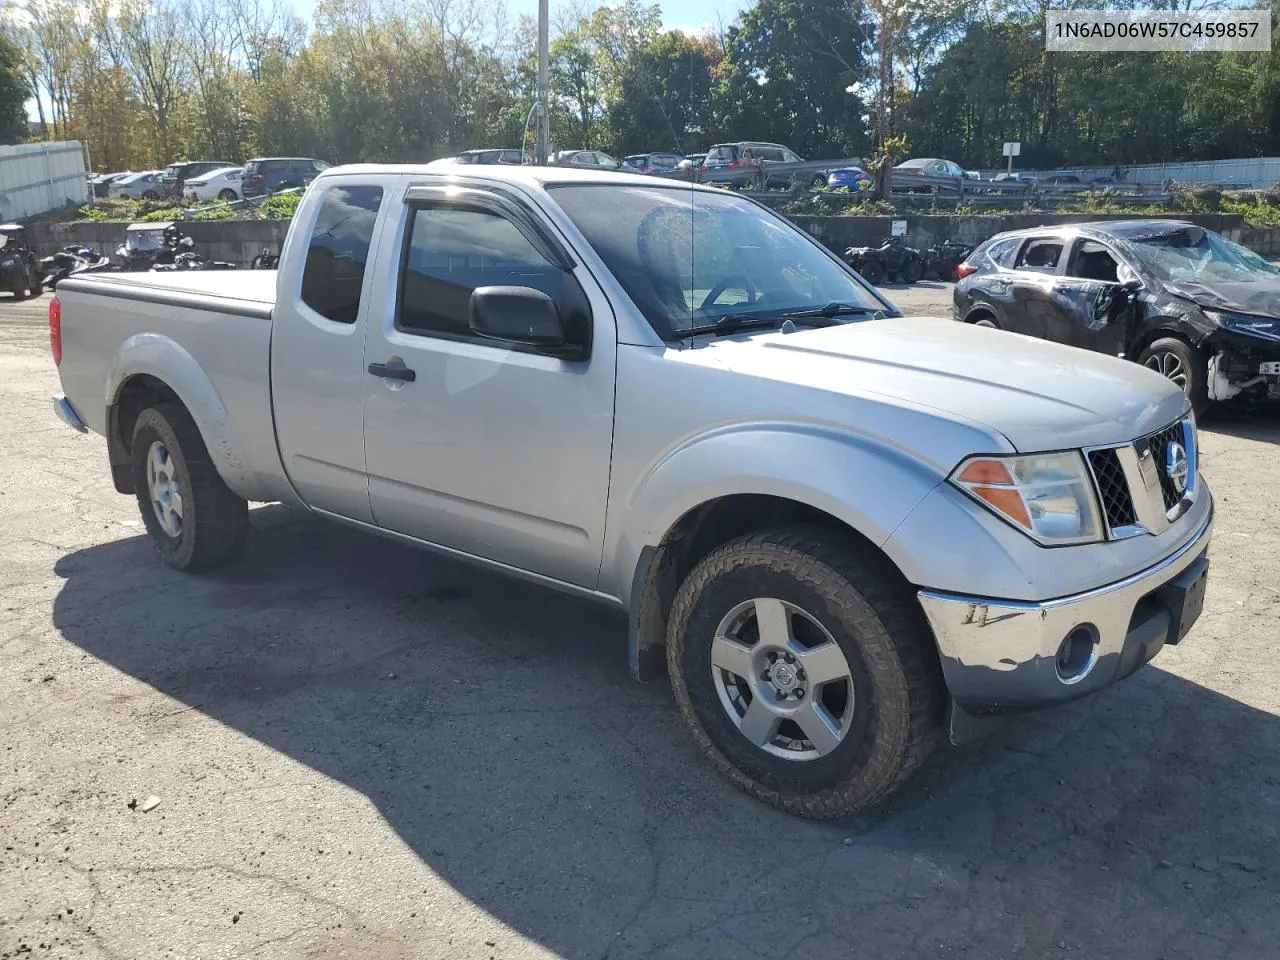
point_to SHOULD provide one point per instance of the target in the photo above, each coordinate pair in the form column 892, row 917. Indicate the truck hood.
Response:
column 1037, row 394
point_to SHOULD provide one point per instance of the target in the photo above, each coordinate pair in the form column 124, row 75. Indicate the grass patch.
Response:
column 279, row 207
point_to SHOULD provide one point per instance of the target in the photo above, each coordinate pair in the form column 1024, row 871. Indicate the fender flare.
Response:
column 867, row 485
column 161, row 357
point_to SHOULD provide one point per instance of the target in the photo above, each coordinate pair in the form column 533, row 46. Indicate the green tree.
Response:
column 792, row 72
column 14, row 93
column 664, row 97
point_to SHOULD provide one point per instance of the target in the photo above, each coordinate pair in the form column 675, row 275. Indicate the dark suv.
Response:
column 177, row 174
column 266, row 175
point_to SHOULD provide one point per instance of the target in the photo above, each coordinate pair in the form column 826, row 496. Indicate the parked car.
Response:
column 736, row 165
column 102, row 182
column 850, row 178
column 652, row 162
column 585, row 159
column 931, row 167
column 266, row 175
column 174, row 179
column 504, row 155
column 691, row 161
column 1058, row 179
column 834, row 528
column 221, row 184
column 1175, row 297
column 136, row 186
column 19, row 265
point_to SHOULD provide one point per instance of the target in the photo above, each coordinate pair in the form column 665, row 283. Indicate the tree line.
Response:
column 144, row 82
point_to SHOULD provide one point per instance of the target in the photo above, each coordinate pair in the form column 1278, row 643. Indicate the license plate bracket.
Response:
column 1184, row 598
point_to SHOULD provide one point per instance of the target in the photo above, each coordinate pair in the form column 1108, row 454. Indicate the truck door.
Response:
column 485, row 447
column 317, row 349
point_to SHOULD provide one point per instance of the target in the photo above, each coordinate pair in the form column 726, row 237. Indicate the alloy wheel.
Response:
column 782, row 679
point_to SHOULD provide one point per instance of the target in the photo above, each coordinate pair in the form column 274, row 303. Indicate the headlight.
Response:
column 1048, row 496
column 1263, row 327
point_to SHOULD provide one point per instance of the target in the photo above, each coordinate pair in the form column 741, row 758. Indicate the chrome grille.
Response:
column 1133, row 484
column 1159, row 445
column 1117, row 502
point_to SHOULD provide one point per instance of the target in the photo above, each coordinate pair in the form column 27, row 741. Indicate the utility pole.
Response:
column 543, row 103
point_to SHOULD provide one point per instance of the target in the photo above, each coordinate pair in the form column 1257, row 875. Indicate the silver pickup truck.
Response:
column 837, row 529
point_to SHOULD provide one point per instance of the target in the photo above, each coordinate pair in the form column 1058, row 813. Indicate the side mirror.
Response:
column 1131, row 284
column 521, row 315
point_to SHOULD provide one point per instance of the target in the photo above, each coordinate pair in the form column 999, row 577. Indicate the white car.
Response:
column 221, row 184
column 137, row 186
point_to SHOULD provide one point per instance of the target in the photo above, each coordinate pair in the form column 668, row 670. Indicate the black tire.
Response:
column 151, row 195
column 819, row 182
column 214, row 521
column 930, row 273
column 983, row 320
column 899, row 696
column 872, row 272
column 19, row 291
column 1159, row 356
column 912, row 271
column 227, row 195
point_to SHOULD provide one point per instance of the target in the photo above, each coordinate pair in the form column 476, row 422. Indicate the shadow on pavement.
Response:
column 495, row 728
column 1261, row 423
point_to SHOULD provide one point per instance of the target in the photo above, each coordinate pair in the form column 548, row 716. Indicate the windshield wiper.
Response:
column 732, row 323
column 829, row 310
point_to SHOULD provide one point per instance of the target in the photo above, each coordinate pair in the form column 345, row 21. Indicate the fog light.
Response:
column 1077, row 654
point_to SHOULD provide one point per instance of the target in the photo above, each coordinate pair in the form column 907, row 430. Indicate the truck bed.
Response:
column 245, row 292
column 207, row 333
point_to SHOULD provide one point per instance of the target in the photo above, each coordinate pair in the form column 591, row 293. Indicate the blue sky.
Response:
column 676, row 14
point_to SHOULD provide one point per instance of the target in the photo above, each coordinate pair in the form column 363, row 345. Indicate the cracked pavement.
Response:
column 365, row 751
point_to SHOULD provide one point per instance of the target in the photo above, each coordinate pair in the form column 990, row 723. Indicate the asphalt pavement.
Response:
column 343, row 748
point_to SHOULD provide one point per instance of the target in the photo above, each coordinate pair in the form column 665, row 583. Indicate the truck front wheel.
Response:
column 194, row 519
column 805, row 671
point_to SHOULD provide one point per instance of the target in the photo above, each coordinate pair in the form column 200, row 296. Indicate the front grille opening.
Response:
column 1159, row 446
column 1117, row 502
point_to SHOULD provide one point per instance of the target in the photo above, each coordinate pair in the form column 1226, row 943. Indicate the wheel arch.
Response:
column 150, row 368
column 699, row 531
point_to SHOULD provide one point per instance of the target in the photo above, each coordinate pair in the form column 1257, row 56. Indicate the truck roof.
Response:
column 527, row 175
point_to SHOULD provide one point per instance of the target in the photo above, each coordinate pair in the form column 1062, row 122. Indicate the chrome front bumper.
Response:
column 67, row 413
column 1003, row 656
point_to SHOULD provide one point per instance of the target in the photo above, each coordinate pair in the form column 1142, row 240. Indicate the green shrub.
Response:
column 214, row 213
column 161, row 214
column 280, row 207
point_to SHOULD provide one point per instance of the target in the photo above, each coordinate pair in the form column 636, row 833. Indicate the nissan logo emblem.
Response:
column 1175, row 466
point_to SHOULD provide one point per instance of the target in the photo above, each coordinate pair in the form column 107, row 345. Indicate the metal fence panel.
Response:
column 38, row 177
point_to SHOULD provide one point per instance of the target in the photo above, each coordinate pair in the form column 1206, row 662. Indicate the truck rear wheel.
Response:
column 194, row 519
column 805, row 671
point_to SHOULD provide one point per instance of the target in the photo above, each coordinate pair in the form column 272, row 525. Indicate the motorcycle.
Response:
column 71, row 261
column 192, row 261
column 266, row 260
column 892, row 260
column 941, row 259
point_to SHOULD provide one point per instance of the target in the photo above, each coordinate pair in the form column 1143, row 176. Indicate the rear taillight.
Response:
column 736, row 164
column 965, row 269
column 55, row 330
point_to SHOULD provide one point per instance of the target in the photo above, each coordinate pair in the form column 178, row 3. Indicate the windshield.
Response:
column 144, row 239
column 687, row 258
column 1196, row 255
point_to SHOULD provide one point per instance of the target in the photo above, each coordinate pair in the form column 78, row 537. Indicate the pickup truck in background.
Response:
column 837, row 529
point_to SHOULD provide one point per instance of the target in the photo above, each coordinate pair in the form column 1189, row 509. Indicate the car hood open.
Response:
column 1037, row 394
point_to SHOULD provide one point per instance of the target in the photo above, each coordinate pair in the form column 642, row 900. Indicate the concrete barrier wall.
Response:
column 239, row 241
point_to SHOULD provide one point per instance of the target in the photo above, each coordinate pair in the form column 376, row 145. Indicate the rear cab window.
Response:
column 721, row 154
column 333, row 276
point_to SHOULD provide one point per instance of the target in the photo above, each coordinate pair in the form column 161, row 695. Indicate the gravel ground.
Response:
column 363, row 751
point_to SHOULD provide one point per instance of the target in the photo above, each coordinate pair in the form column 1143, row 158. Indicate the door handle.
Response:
column 392, row 373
